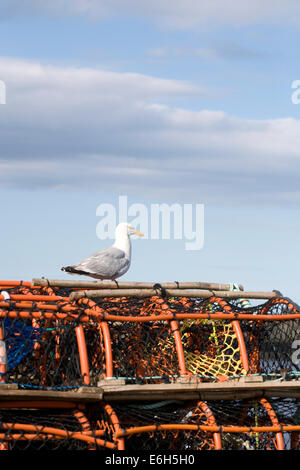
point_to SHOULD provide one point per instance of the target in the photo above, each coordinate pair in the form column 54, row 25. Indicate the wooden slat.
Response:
column 110, row 392
column 196, row 293
column 229, row 390
column 84, row 394
column 129, row 285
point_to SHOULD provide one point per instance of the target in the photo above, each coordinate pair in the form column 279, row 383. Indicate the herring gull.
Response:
column 110, row 263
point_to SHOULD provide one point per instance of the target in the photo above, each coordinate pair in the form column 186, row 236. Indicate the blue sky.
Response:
column 160, row 104
column 245, row 70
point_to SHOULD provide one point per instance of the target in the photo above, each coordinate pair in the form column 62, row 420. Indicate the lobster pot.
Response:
column 45, row 427
column 41, row 354
column 210, row 425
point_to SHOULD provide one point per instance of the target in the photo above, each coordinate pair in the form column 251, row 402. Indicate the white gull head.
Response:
column 123, row 232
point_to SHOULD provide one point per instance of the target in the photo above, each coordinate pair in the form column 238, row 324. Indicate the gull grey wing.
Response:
column 108, row 263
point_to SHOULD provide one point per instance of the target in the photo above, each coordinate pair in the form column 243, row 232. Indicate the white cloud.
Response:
column 173, row 13
column 78, row 127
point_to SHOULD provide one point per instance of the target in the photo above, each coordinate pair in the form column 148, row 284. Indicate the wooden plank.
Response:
column 129, row 285
column 83, row 394
column 229, row 390
column 197, row 293
column 110, row 392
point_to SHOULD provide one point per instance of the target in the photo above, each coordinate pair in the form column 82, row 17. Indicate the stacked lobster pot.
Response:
column 147, row 367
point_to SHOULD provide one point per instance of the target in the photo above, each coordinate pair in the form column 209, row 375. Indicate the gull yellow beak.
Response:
column 140, row 234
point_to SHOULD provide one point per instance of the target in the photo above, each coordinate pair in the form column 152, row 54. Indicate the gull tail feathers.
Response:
column 73, row 270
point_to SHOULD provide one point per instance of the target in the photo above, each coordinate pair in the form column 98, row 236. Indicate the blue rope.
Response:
column 19, row 340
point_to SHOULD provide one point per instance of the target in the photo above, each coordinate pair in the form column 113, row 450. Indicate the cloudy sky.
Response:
column 164, row 102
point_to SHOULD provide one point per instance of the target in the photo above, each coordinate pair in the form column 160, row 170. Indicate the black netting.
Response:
column 43, row 356
column 143, row 352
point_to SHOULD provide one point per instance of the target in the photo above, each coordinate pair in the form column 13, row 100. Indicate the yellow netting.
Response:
column 218, row 353
column 211, row 348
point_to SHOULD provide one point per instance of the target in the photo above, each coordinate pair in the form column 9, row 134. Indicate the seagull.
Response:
column 111, row 263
